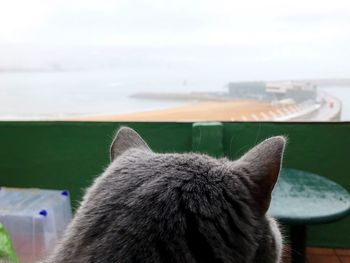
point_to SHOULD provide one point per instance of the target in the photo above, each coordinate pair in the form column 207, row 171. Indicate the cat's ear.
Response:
column 125, row 139
column 263, row 164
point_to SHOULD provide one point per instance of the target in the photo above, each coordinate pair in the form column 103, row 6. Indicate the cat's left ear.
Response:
column 263, row 163
column 126, row 139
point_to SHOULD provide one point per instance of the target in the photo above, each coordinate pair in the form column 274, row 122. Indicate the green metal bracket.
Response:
column 207, row 137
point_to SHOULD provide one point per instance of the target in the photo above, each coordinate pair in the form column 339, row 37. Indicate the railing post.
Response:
column 207, row 137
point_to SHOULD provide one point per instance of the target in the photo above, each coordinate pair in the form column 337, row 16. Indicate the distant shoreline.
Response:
column 202, row 111
column 231, row 110
column 235, row 110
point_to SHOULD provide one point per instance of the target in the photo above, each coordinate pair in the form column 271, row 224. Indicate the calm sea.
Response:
column 343, row 94
column 46, row 94
column 24, row 95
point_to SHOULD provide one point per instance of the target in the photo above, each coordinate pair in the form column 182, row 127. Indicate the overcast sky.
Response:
column 185, row 22
column 314, row 33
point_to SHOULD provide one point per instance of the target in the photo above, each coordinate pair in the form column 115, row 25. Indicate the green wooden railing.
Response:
column 68, row 155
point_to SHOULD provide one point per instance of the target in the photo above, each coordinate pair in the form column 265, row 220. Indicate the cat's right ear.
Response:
column 262, row 164
column 126, row 139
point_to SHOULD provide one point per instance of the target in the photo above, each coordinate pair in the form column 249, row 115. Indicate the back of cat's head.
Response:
column 149, row 207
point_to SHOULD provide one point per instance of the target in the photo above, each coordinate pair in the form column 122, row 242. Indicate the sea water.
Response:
column 343, row 94
column 28, row 95
column 71, row 93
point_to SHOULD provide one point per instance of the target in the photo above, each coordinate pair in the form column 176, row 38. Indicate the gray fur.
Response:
column 125, row 139
column 150, row 207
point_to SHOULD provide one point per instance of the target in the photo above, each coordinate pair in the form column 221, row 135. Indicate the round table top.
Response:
column 305, row 198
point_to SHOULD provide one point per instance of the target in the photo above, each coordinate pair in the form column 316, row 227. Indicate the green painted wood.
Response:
column 68, row 155
column 305, row 198
column 207, row 138
column 320, row 148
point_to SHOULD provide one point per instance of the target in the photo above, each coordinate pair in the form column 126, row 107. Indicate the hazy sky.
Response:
column 312, row 35
column 175, row 22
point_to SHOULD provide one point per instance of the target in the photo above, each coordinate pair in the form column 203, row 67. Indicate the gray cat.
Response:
column 150, row 207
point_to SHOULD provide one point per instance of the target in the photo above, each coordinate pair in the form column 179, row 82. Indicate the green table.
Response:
column 300, row 199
